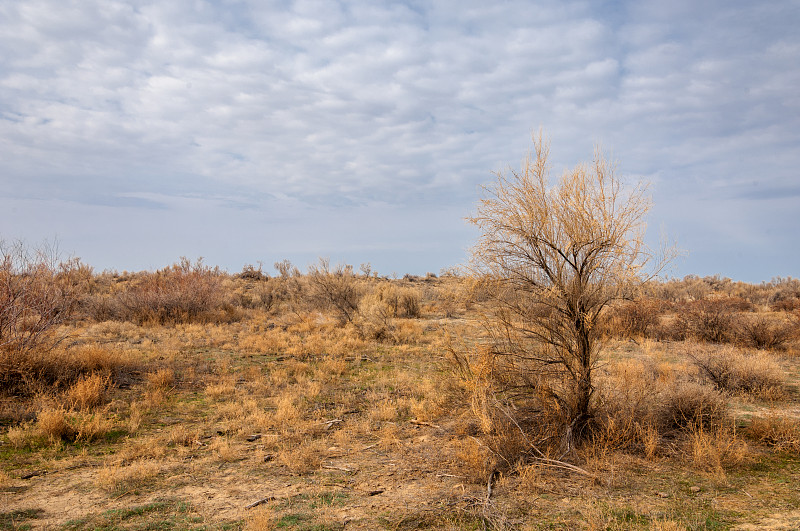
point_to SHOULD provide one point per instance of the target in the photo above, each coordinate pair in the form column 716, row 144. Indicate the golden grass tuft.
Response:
column 715, row 450
column 88, row 392
column 116, row 479
column 777, row 431
column 260, row 519
column 53, row 423
column 303, row 458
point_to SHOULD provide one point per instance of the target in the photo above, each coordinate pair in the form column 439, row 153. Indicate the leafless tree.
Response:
column 554, row 257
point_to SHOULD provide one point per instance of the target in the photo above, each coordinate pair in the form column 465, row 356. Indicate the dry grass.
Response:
column 88, row 392
column 116, row 479
column 287, row 402
column 777, row 431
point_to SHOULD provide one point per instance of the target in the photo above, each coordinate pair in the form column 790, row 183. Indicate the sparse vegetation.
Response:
column 262, row 391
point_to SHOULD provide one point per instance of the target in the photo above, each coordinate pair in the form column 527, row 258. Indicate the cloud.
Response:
column 349, row 105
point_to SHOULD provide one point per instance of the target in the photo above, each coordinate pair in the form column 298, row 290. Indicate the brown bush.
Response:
column 37, row 295
column 690, row 406
column 181, row 293
column 632, row 319
column 763, row 332
column 89, row 391
column 708, row 320
column 334, row 289
column 786, row 294
column 734, row 371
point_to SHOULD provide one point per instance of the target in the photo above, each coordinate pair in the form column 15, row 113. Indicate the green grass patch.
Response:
column 19, row 519
column 166, row 514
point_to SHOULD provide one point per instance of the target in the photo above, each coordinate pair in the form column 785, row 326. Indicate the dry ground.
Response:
column 293, row 421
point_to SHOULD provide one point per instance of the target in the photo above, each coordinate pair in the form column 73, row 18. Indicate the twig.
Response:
column 333, row 467
column 259, row 502
column 450, row 476
column 423, row 423
column 561, row 464
column 490, row 486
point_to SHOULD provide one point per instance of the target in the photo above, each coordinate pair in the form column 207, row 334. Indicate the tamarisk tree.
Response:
column 554, row 256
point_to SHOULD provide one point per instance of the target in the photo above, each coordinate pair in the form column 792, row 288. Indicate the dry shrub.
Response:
column 375, row 317
column 707, row 320
column 37, row 294
column 225, row 450
column 223, row 388
column 158, row 386
column 786, row 294
column 383, row 412
column 23, row 435
column 163, row 378
column 260, row 519
column 334, row 289
column 88, row 392
column 634, row 319
column 509, row 434
column 777, row 431
column 389, row 436
column 762, row 332
column 91, row 427
column 181, row 293
column 475, row 460
column 262, row 295
column 97, row 358
column 135, row 417
column 691, row 406
column 754, row 374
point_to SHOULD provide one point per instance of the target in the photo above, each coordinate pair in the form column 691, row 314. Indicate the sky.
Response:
column 246, row 131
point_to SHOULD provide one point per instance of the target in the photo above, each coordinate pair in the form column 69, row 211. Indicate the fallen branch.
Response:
column 333, row 467
column 561, row 464
column 423, row 423
column 259, row 502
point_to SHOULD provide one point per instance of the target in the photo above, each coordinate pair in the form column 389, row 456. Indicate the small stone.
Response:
column 663, row 495
column 695, row 489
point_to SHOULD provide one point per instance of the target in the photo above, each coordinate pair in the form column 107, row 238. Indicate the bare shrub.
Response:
column 629, row 415
column 786, row 294
column 334, row 289
column 749, row 373
column 716, row 448
column 38, row 293
column 53, row 423
column 708, row 320
column 691, row 405
column 116, row 478
column 762, row 332
column 182, row 293
column 375, row 316
column 634, row 319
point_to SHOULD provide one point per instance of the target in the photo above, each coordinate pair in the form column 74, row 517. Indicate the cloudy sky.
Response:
column 136, row 132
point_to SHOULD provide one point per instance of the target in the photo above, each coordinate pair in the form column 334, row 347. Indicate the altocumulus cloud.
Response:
column 138, row 131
